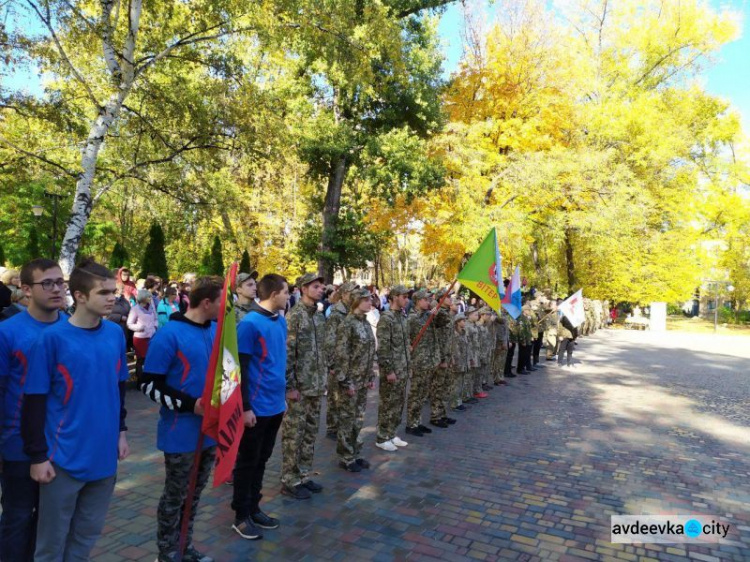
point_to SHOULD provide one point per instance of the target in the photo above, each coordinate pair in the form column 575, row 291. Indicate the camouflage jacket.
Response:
column 306, row 365
column 445, row 332
column 502, row 333
column 459, row 352
column 486, row 345
column 427, row 354
column 337, row 316
column 524, row 330
column 512, row 330
column 355, row 352
column 534, row 324
column 550, row 322
column 473, row 345
column 394, row 354
column 240, row 311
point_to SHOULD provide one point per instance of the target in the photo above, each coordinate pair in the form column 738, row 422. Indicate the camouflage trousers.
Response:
column 391, row 408
column 332, row 404
column 298, row 432
column 458, row 388
column 441, row 386
column 172, row 502
column 470, row 378
column 418, row 391
column 550, row 344
column 479, row 377
column 351, row 418
column 498, row 364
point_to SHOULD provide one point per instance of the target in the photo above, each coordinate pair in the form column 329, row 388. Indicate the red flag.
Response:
column 222, row 395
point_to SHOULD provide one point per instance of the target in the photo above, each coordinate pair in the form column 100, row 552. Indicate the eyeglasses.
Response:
column 47, row 284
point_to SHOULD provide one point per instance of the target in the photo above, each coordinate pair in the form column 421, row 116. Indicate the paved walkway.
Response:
column 645, row 424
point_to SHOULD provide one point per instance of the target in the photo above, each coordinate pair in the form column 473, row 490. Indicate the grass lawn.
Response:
column 702, row 326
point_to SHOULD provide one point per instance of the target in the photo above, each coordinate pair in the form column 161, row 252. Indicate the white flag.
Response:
column 572, row 307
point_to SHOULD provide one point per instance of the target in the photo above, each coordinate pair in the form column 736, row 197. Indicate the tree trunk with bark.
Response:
column 331, row 209
column 569, row 263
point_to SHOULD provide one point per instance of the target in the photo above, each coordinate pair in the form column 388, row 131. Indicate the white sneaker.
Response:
column 399, row 442
column 387, row 446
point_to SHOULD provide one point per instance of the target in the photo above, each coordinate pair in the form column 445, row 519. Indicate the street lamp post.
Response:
column 718, row 284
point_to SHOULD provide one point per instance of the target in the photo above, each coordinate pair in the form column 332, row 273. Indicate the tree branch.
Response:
column 420, row 6
column 47, row 20
column 39, row 157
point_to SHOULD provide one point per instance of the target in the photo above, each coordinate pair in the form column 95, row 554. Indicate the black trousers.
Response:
column 255, row 450
column 20, row 503
column 524, row 357
column 509, row 357
column 537, row 343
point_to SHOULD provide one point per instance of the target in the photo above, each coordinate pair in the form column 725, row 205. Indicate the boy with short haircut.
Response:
column 261, row 342
column 246, row 290
column 459, row 361
column 175, row 376
column 73, row 418
column 42, row 280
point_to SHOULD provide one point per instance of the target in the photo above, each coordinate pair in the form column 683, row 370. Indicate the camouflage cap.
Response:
column 347, row 287
column 470, row 310
column 398, row 290
column 441, row 293
column 485, row 310
column 421, row 294
column 307, row 278
column 242, row 277
column 458, row 317
column 359, row 294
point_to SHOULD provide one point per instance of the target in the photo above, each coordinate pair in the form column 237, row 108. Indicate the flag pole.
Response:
column 187, row 509
column 432, row 315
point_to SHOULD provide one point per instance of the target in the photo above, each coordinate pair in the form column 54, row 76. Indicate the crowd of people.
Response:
column 63, row 371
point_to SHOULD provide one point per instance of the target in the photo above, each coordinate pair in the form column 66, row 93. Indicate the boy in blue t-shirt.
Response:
column 174, row 376
column 42, row 280
column 261, row 342
column 73, row 418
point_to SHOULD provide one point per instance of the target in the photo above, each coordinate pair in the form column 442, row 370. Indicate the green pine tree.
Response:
column 205, row 267
column 119, row 257
column 154, row 258
column 217, row 261
column 2, row 256
column 32, row 245
column 245, row 266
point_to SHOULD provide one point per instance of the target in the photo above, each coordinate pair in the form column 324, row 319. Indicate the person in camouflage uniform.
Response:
column 501, row 347
column 394, row 364
column 487, row 349
column 355, row 355
column 512, row 345
column 441, row 385
column 537, row 332
column 339, row 312
column 425, row 359
column 550, row 332
column 473, row 337
column 246, row 290
column 525, row 338
column 459, row 361
column 306, row 375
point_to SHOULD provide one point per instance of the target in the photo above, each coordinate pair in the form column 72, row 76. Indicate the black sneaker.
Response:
column 298, row 492
column 331, row 435
column 351, row 466
column 194, row 555
column 510, row 375
column 459, row 408
column 424, row 428
column 363, row 463
column 264, row 521
column 414, row 431
column 247, row 529
column 486, row 387
column 473, row 400
column 439, row 423
column 314, row 487
column 449, row 421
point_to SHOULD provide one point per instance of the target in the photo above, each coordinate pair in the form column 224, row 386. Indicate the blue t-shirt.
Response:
column 17, row 337
column 181, row 351
column 80, row 371
column 263, row 338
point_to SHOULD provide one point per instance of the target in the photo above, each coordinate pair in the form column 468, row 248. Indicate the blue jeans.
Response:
column 20, row 502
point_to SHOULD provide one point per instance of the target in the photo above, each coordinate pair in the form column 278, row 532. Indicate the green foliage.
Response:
column 216, row 261
column 154, row 259
column 205, row 266
column 119, row 257
column 2, row 256
column 245, row 266
column 32, row 245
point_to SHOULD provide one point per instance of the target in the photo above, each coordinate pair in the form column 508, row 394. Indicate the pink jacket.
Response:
column 142, row 322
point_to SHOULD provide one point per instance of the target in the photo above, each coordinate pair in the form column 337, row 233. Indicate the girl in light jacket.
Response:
column 143, row 323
